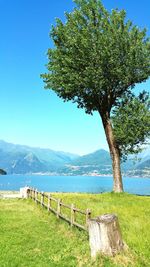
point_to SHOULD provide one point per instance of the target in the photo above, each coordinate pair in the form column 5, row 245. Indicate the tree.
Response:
column 131, row 124
column 97, row 57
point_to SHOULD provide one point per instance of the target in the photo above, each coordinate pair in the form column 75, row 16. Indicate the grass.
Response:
column 29, row 236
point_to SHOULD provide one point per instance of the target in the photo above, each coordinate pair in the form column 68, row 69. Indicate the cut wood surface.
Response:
column 105, row 235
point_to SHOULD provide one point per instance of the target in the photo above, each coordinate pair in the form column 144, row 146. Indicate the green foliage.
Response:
column 29, row 236
column 97, row 56
column 131, row 122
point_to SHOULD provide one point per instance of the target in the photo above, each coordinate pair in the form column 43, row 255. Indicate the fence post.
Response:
column 28, row 190
column 72, row 214
column 42, row 198
column 58, row 207
column 36, row 195
column 31, row 192
column 49, row 202
column 88, row 216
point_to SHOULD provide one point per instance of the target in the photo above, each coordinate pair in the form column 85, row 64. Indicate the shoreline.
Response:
column 70, row 175
column 11, row 192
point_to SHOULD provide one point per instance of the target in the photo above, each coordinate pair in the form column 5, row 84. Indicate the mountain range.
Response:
column 23, row 159
column 19, row 159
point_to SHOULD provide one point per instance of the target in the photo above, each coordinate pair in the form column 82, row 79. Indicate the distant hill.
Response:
column 99, row 157
column 144, row 165
column 95, row 163
column 99, row 163
column 138, row 165
column 23, row 159
column 18, row 159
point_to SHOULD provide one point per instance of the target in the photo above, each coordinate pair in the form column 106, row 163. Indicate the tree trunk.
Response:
column 114, row 152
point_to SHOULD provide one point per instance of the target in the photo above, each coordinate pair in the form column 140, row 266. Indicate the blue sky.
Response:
column 29, row 114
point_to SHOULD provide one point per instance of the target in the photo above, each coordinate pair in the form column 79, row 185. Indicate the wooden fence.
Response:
column 47, row 201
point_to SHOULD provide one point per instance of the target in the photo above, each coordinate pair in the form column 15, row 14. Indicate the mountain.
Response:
column 99, row 163
column 99, row 157
column 138, row 165
column 95, row 163
column 24, row 159
column 144, row 165
column 18, row 159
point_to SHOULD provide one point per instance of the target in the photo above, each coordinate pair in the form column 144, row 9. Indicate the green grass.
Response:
column 30, row 237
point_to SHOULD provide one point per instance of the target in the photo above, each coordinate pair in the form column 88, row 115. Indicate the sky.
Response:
column 29, row 114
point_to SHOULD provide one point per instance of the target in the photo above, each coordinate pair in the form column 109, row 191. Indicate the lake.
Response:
column 89, row 184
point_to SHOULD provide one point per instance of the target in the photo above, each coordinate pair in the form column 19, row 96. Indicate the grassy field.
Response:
column 30, row 237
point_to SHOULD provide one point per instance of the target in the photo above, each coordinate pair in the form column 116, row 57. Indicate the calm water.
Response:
column 73, row 183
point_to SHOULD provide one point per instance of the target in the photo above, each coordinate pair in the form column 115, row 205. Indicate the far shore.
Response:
column 73, row 175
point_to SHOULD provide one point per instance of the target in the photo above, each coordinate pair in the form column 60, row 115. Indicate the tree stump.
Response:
column 105, row 235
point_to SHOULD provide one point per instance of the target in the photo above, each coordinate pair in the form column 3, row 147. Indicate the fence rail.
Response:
column 47, row 201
